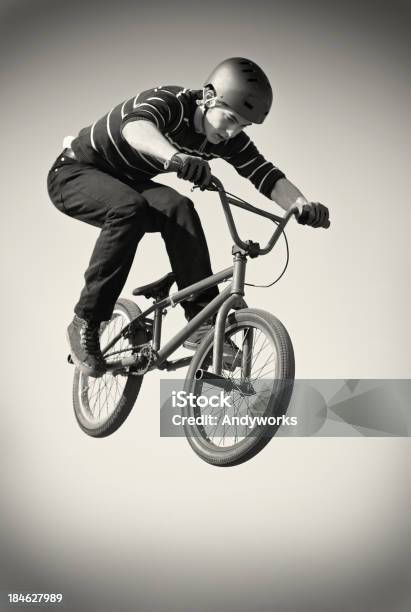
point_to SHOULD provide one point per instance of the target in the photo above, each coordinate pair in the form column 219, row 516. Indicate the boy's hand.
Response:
column 193, row 169
column 314, row 214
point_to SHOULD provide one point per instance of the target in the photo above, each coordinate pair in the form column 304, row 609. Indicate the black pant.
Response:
column 125, row 212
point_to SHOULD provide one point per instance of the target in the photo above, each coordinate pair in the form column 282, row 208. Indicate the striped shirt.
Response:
column 171, row 109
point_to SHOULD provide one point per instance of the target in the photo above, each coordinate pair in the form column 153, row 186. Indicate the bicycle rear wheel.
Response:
column 259, row 387
column 102, row 404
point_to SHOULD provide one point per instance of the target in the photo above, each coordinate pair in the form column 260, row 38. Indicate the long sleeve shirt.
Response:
column 171, row 109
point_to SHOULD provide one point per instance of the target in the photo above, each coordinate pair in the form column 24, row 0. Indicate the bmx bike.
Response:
column 258, row 374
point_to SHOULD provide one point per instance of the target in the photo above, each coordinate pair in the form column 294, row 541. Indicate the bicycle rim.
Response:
column 100, row 397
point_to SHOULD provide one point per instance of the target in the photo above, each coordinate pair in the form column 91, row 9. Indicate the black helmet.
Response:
column 243, row 86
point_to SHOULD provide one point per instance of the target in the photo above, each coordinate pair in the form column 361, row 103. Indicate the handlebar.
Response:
column 280, row 222
column 253, row 249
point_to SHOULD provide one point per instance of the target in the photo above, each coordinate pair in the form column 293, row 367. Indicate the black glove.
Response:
column 193, row 169
column 314, row 214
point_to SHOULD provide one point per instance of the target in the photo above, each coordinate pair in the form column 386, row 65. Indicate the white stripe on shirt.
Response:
column 155, row 108
column 114, row 143
column 244, row 147
column 150, row 113
column 238, row 152
column 182, row 113
column 101, row 153
column 260, row 185
column 182, row 106
column 179, row 146
column 246, row 163
column 258, row 167
column 92, row 138
column 161, row 100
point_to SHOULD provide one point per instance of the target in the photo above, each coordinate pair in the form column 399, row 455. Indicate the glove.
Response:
column 193, row 169
column 314, row 214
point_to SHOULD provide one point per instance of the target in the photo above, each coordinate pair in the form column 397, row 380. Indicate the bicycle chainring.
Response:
column 145, row 356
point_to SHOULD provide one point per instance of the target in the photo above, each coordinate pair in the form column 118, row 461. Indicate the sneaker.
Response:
column 231, row 353
column 193, row 342
column 83, row 337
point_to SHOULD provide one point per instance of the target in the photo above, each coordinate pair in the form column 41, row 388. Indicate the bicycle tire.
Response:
column 100, row 428
column 279, row 399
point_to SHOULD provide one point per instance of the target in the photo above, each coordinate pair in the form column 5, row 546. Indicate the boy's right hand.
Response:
column 193, row 169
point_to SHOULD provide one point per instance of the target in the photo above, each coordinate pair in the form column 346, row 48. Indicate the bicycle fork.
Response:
column 235, row 300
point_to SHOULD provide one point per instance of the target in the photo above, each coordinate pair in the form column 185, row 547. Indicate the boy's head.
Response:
column 236, row 94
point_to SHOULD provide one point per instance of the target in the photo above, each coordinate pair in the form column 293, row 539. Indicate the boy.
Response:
column 104, row 177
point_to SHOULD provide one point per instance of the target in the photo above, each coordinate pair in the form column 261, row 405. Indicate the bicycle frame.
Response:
column 232, row 297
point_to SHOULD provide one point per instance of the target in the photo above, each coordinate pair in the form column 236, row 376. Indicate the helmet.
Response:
column 243, row 86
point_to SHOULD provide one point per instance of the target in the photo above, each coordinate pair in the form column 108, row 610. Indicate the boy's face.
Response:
column 221, row 123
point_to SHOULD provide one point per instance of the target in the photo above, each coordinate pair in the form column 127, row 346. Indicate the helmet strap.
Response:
column 199, row 117
column 208, row 100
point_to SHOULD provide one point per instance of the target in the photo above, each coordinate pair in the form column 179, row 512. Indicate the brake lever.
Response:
column 210, row 188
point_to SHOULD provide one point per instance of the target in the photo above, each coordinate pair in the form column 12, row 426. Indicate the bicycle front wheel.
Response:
column 102, row 404
column 257, row 382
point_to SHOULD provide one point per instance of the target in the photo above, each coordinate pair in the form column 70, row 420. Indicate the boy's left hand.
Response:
column 313, row 214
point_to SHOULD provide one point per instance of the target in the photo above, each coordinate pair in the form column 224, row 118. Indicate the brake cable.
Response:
column 286, row 246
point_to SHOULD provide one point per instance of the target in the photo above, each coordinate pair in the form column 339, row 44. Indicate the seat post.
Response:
column 157, row 322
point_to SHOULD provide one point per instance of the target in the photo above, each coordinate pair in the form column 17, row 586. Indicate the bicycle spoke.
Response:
column 262, row 358
column 100, row 396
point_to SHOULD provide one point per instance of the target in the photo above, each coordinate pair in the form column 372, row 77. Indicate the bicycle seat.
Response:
column 157, row 290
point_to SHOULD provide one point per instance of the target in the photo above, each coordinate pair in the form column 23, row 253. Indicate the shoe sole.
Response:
column 190, row 347
column 85, row 369
column 230, row 362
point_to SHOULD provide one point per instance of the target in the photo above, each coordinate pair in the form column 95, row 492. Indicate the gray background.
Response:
column 136, row 522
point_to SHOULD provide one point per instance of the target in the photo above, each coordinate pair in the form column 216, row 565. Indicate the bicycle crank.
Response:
column 137, row 364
